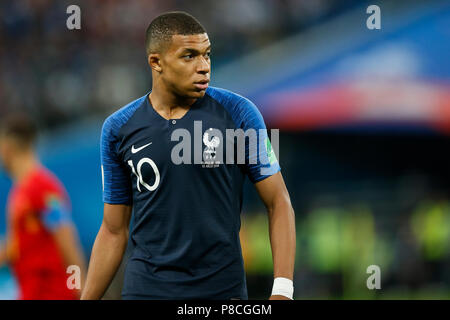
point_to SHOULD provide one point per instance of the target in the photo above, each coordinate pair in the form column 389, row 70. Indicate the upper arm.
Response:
column 56, row 212
column 115, row 177
column 116, row 217
column 57, row 218
column 261, row 161
column 117, row 189
column 272, row 189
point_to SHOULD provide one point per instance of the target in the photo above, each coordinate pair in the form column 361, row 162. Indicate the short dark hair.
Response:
column 20, row 127
column 162, row 28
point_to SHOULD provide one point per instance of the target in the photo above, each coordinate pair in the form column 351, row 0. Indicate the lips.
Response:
column 202, row 85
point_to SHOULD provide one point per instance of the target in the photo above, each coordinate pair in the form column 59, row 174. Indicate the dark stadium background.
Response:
column 364, row 119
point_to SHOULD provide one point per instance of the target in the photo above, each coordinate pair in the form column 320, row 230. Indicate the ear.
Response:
column 154, row 61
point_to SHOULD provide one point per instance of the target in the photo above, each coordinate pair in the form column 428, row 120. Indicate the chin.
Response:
column 191, row 93
column 202, row 93
column 198, row 94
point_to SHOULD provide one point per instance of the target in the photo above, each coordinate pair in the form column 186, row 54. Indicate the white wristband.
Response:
column 283, row 287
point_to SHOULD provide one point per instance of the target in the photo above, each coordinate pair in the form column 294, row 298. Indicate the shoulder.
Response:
column 225, row 96
column 45, row 181
column 118, row 119
column 38, row 185
column 47, row 177
column 229, row 99
column 242, row 109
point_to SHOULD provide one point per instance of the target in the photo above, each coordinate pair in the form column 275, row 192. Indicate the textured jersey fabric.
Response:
column 186, row 216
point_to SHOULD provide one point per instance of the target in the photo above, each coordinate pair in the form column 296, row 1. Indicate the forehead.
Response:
column 180, row 42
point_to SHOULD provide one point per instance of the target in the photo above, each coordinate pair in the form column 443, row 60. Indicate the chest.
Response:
column 162, row 150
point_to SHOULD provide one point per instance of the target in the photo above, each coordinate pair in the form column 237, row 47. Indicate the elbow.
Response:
column 281, row 204
column 115, row 232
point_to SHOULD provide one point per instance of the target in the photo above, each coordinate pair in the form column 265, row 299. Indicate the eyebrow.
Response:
column 195, row 50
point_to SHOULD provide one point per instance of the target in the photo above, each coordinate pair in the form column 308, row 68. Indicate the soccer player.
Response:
column 41, row 240
column 185, row 236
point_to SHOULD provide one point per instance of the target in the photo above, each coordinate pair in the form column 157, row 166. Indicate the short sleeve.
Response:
column 261, row 161
column 115, row 177
column 56, row 212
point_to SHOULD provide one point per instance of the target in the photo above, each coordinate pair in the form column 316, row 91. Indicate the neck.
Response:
column 166, row 101
column 23, row 165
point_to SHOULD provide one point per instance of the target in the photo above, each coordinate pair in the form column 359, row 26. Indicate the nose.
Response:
column 204, row 66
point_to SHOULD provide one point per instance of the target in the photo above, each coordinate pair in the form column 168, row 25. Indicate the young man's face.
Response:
column 186, row 65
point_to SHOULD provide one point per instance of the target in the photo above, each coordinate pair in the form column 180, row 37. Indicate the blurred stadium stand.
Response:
column 364, row 119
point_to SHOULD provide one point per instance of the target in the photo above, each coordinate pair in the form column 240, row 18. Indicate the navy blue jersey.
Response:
column 186, row 215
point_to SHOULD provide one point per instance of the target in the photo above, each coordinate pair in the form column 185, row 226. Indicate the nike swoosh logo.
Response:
column 134, row 150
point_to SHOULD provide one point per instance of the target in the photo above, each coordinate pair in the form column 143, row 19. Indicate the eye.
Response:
column 188, row 56
column 208, row 54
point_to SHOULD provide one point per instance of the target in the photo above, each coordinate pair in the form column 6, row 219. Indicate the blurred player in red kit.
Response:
column 41, row 239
